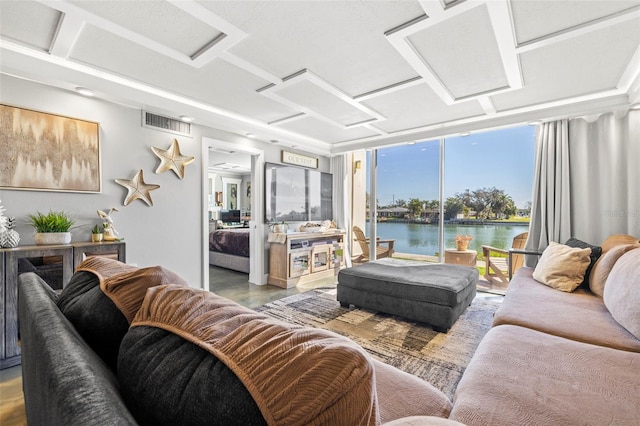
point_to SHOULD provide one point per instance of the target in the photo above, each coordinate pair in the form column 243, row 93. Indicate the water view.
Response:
column 423, row 239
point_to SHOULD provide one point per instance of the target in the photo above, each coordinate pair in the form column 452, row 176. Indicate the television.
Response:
column 230, row 216
column 297, row 194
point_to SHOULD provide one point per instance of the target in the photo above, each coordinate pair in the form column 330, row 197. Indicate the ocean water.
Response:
column 423, row 239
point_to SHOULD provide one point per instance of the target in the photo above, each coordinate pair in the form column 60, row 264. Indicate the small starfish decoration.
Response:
column 172, row 159
column 138, row 190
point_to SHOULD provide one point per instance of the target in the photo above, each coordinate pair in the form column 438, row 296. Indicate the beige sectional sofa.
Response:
column 560, row 358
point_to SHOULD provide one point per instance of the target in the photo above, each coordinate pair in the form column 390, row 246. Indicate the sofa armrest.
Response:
column 63, row 380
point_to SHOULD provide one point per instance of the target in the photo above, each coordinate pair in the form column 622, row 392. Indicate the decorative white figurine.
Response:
column 109, row 231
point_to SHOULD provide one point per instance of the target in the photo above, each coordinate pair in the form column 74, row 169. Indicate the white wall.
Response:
column 169, row 233
column 166, row 234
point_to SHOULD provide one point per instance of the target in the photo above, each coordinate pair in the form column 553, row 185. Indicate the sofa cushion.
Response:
column 419, row 397
column 562, row 267
column 166, row 379
column 622, row 292
column 596, row 252
column 295, row 375
column 94, row 315
column 101, row 297
column 580, row 316
column 519, row 376
column 603, row 266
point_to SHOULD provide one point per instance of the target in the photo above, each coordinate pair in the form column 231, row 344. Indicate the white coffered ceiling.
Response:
column 331, row 76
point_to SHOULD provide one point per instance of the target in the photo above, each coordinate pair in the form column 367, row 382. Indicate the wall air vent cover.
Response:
column 165, row 124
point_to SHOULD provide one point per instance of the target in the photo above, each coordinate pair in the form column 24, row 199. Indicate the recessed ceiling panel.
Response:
column 320, row 130
column 567, row 69
column 157, row 20
column 319, row 35
column 218, row 83
column 534, row 19
column 29, row 23
column 418, row 106
column 463, row 53
column 314, row 98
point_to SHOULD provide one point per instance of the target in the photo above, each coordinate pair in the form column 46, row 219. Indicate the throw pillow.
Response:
column 622, row 292
column 101, row 299
column 295, row 375
column 596, row 252
column 562, row 267
column 94, row 316
column 616, row 240
column 603, row 266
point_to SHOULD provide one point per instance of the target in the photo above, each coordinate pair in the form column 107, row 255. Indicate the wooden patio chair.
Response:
column 497, row 268
column 381, row 250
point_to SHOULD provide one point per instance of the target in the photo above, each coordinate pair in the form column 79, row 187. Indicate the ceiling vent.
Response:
column 165, row 124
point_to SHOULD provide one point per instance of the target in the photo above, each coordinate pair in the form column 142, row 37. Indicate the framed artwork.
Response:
column 47, row 152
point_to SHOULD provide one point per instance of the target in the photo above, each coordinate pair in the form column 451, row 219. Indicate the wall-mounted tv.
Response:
column 297, row 194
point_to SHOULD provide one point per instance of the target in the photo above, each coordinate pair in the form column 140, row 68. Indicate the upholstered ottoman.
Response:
column 436, row 294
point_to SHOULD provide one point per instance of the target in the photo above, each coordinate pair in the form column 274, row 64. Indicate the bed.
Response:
column 229, row 248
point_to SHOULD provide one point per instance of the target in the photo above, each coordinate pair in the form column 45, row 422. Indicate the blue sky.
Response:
column 501, row 158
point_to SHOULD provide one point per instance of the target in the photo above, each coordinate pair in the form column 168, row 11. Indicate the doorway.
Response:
column 248, row 181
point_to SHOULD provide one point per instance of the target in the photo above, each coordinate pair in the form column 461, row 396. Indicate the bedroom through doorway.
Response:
column 231, row 214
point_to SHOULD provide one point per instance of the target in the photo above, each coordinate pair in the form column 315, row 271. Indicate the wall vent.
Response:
column 165, row 124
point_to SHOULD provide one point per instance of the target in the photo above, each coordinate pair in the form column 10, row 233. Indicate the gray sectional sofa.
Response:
column 551, row 357
column 215, row 363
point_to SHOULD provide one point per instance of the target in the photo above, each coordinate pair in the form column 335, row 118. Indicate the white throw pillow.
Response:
column 562, row 267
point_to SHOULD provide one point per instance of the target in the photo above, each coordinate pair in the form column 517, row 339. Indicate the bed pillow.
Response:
column 622, row 292
column 295, row 375
column 605, row 264
column 562, row 267
column 596, row 252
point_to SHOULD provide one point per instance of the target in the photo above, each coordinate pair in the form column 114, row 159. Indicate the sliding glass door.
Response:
column 477, row 186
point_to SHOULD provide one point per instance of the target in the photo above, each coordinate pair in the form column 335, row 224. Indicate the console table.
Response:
column 71, row 254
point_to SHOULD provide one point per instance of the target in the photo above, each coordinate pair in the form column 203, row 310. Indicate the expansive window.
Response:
column 486, row 191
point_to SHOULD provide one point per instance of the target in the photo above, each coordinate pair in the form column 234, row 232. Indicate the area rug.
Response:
column 413, row 347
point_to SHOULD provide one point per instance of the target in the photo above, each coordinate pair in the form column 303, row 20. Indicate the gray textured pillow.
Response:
column 622, row 292
column 94, row 315
column 167, row 380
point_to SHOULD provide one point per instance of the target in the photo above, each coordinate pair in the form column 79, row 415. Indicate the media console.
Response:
column 68, row 256
column 301, row 257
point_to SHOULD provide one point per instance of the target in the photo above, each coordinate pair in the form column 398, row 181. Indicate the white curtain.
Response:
column 341, row 206
column 587, row 179
column 551, row 207
column 605, row 175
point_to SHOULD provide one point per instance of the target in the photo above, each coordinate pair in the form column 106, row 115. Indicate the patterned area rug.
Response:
column 410, row 346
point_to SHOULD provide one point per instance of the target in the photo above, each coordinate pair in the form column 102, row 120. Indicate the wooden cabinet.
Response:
column 71, row 255
column 301, row 257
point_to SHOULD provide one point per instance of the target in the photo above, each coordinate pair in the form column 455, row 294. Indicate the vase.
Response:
column 462, row 245
column 96, row 238
column 52, row 238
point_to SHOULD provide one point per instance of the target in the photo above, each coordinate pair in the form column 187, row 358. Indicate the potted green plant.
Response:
column 96, row 234
column 52, row 228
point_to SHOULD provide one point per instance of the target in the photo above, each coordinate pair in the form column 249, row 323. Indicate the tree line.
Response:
column 482, row 203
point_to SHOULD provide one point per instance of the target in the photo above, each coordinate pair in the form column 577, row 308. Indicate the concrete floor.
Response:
column 235, row 286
